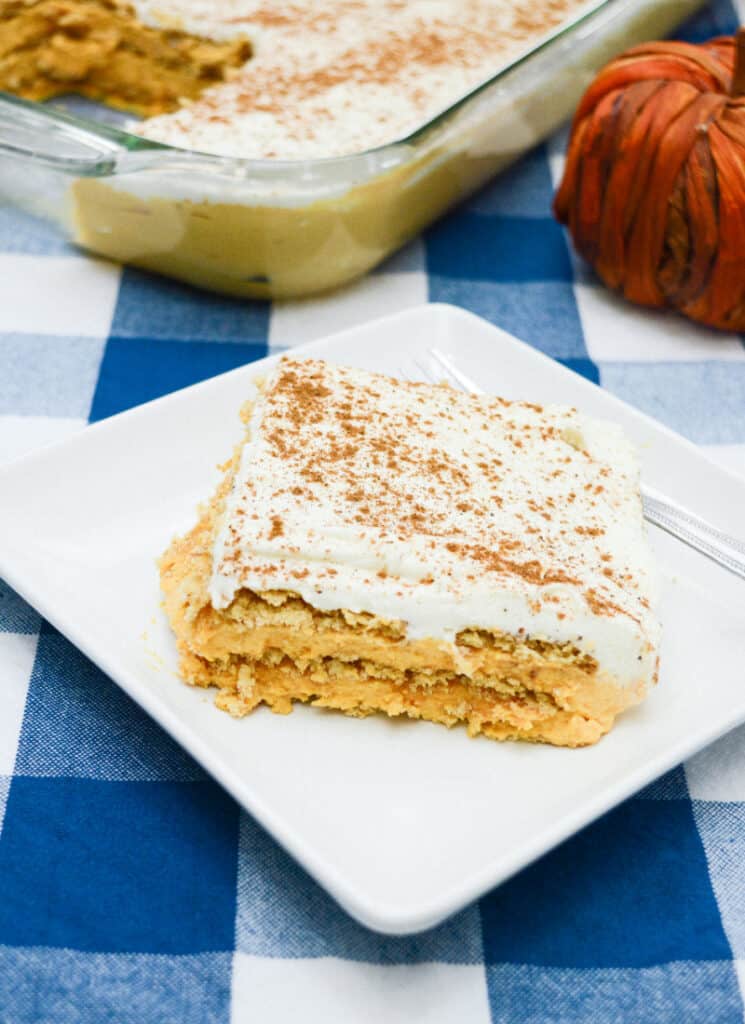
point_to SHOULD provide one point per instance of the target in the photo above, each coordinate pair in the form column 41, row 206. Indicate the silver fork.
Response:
column 686, row 526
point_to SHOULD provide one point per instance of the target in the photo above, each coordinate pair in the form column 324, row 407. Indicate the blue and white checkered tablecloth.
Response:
column 134, row 891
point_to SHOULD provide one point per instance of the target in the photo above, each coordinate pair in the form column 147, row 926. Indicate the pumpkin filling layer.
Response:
column 99, row 49
column 275, row 649
column 579, row 710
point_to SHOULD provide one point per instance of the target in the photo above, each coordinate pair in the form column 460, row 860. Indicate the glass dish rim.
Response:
column 137, row 144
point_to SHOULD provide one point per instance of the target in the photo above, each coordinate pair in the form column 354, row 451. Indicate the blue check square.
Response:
column 504, row 249
column 136, row 370
column 632, row 890
column 64, row 986
column 542, row 313
column 48, row 375
column 155, row 307
column 118, row 867
column 522, row 190
column 673, row 993
column 714, row 19
column 703, row 401
column 78, row 723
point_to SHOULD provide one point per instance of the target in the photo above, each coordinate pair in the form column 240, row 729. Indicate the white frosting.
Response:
column 334, row 77
column 443, row 510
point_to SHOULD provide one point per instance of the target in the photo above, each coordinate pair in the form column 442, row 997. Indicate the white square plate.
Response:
column 403, row 822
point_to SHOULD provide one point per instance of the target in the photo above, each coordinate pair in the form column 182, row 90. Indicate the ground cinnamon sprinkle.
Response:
column 327, row 78
column 423, row 482
column 531, row 571
column 602, row 606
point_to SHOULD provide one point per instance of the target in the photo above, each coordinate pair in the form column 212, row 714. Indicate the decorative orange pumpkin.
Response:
column 653, row 192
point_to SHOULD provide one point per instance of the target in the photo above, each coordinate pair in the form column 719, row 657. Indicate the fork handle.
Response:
column 729, row 552
column 653, row 500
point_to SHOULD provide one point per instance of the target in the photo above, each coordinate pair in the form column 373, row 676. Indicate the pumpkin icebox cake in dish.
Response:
column 385, row 546
column 270, row 79
column 287, row 146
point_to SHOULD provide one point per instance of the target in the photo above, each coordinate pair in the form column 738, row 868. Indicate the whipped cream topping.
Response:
column 443, row 510
column 334, row 77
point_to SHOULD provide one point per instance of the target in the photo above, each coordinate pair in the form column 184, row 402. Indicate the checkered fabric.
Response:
column 134, row 891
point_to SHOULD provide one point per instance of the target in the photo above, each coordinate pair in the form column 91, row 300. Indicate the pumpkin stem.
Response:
column 738, row 78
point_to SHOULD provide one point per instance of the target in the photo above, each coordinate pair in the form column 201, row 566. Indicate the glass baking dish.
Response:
column 280, row 229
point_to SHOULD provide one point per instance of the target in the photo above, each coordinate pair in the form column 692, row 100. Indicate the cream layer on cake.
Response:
column 334, row 77
column 444, row 512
